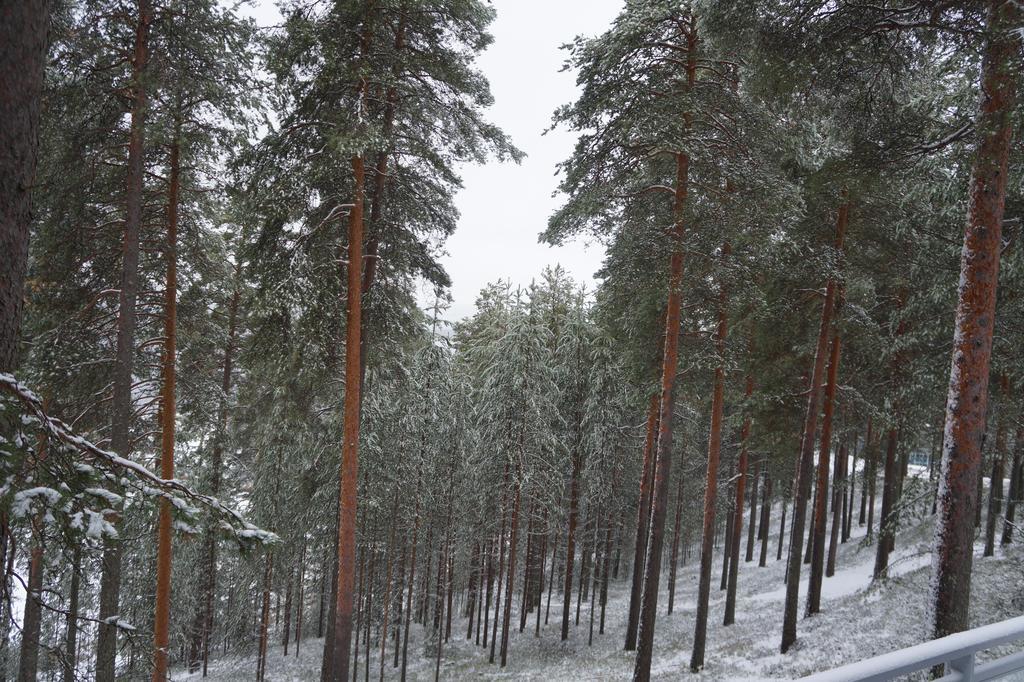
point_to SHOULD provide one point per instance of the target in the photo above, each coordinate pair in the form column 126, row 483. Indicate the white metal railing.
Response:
column 956, row 651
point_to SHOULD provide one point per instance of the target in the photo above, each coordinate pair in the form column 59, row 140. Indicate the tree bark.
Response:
column 350, row 447
column 513, row 541
column 23, row 44
column 663, row 459
column 754, row 483
column 820, row 501
column 741, row 476
column 673, row 564
column 711, row 482
column 967, row 403
column 643, row 517
column 168, row 412
column 806, row 461
column 203, row 622
column 838, row 491
column 122, row 406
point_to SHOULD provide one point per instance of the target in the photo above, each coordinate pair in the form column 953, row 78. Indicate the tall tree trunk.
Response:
column 168, row 412
column 570, row 539
column 23, row 43
column 838, row 490
column 399, row 611
column 474, row 580
column 513, row 541
column 122, row 406
column 540, row 571
column 412, row 574
column 203, row 623
column 849, row 488
column 584, row 562
column 595, row 575
column 525, row 602
column 663, row 459
column 821, row 500
column 806, row 462
column 975, row 317
column 727, row 527
column 350, row 445
column 485, row 616
column 551, row 579
column 711, row 482
column 673, row 564
column 782, row 530
column 754, row 483
column 642, row 519
column 741, row 476
column 866, row 484
column 501, row 563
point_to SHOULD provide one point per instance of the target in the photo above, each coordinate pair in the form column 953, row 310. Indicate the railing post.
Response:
column 964, row 666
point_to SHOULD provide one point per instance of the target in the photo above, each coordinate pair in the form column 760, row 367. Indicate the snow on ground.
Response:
column 860, row 619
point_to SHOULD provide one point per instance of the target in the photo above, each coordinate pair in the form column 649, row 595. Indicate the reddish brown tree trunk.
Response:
column 711, row 483
column 741, row 477
column 975, row 318
column 670, row 363
column 673, row 564
column 642, row 519
column 168, row 412
column 837, row 513
column 350, row 445
column 806, row 462
column 821, row 499
column 754, row 483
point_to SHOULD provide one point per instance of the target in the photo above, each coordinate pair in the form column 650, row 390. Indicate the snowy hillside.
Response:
column 859, row 620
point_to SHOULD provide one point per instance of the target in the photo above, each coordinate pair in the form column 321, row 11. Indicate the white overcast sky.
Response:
column 505, row 206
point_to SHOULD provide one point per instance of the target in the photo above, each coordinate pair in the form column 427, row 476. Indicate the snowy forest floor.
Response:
column 859, row 619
